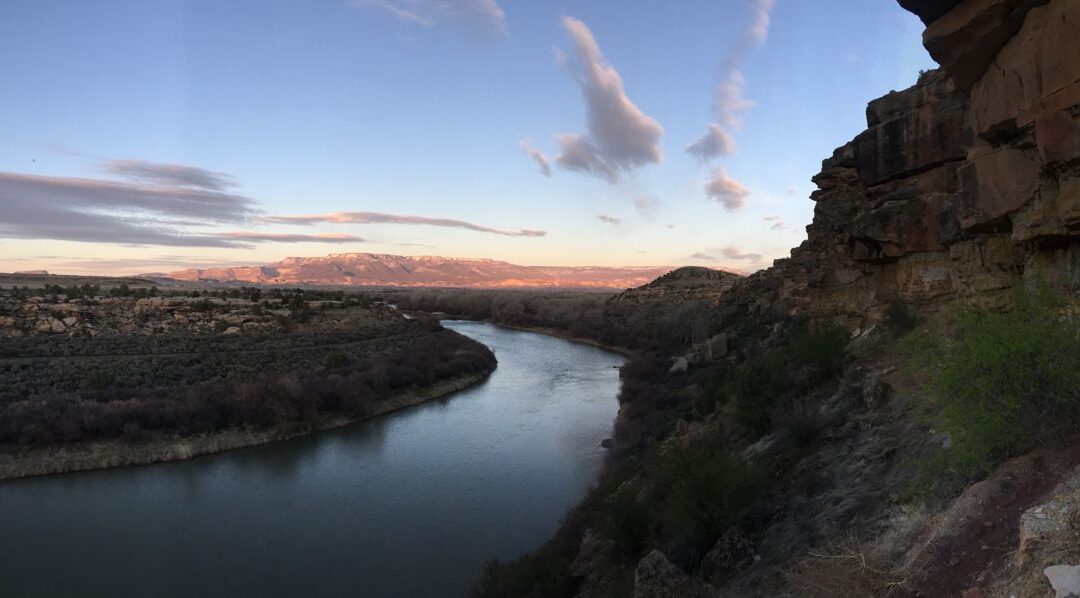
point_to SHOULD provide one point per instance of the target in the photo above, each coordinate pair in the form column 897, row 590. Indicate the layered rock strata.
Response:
column 961, row 186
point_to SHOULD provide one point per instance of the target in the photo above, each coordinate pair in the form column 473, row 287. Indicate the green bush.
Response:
column 900, row 318
column 997, row 382
column 763, row 389
column 708, row 488
column 98, row 380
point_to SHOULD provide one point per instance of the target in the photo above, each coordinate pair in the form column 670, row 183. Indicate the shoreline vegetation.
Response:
column 546, row 331
column 109, row 454
column 105, row 377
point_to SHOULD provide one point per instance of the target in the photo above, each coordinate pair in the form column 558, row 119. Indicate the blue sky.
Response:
column 408, row 115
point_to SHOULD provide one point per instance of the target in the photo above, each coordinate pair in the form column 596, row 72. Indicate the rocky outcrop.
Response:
column 961, row 185
column 688, row 283
column 657, row 577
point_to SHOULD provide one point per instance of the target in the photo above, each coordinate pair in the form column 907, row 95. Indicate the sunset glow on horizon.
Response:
column 154, row 137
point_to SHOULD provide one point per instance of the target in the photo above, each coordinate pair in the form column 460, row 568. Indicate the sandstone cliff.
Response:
column 961, row 185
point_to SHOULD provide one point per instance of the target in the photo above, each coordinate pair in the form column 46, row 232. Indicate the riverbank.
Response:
column 87, row 456
column 554, row 332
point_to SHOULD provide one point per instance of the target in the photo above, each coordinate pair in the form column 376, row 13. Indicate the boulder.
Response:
column 731, row 552
column 1064, row 579
column 657, row 577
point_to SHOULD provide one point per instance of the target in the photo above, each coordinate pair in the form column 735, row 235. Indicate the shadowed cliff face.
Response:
column 961, row 185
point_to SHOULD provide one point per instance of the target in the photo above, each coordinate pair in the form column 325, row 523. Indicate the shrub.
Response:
column 98, row 380
column 998, row 382
column 337, row 360
column 765, row 388
column 900, row 318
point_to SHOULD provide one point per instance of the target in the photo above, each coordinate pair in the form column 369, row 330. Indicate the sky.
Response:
column 153, row 136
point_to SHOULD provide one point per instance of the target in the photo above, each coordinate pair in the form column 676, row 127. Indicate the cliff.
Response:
column 767, row 453
column 960, row 186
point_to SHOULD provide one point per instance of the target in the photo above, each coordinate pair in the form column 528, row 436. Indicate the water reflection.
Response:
column 411, row 504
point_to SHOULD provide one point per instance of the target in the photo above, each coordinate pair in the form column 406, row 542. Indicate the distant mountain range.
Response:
column 377, row 269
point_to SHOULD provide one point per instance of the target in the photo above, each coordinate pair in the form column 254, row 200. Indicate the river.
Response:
column 409, row 504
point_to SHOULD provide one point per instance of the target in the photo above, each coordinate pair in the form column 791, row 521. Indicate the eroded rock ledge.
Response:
column 961, row 185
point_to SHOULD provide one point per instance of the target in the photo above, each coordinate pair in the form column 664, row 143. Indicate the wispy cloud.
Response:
column 381, row 218
column 156, row 206
column 173, row 175
column 254, row 236
column 715, row 142
column 726, row 190
column 538, row 156
column 777, row 222
column 729, row 99
column 734, row 253
column 620, row 137
column 728, row 253
column 646, row 206
column 485, row 15
column 608, row 219
column 103, row 211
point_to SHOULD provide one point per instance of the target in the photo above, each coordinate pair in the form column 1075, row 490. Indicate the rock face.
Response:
column 961, row 185
column 396, row 270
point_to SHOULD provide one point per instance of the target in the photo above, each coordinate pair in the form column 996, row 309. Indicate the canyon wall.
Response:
column 961, row 186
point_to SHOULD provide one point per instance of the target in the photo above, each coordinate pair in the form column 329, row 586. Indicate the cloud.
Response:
column 778, row 223
column 381, row 218
column 761, row 18
column 620, row 137
column 103, row 211
column 173, row 175
column 257, row 237
column 538, row 156
column 485, row 15
column 729, row 252
column 729, row 101
column 733, row 253
column 715, row 142
column 608, row 219
column 726, row 190
column 646, row 206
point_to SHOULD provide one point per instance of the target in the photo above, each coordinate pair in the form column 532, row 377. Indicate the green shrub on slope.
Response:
column 998, row 383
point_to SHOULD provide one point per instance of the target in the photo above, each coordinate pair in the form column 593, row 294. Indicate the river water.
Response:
column 409, row 504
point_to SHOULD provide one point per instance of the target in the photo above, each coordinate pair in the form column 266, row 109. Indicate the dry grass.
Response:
column 846, row 570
